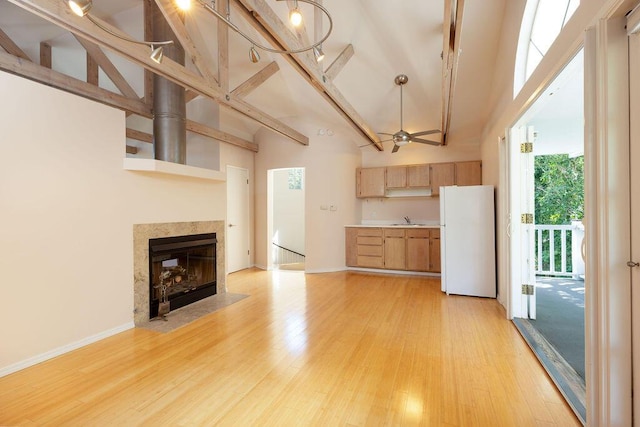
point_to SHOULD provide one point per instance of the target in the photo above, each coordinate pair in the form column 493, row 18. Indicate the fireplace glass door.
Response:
column 182, row 270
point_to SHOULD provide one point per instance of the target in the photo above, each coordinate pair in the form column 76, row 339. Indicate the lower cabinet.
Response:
column 434, row 250
column 393, row 248
column 418, row 252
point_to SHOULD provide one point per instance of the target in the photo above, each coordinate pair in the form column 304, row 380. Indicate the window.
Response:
column 295, row 179
column 541, row 23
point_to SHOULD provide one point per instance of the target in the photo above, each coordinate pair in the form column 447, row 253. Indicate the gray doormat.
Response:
column 189, row 313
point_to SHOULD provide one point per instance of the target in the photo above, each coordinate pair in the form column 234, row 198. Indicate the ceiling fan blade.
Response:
column 395, row 148
column 425, row 132
column 425, row 141
column 386, row 140
column 384, row 133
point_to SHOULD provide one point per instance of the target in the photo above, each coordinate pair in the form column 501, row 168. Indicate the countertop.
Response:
column 396, row 225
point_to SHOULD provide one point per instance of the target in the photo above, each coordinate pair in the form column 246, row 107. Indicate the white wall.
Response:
column 68, row 208
column 330, row 163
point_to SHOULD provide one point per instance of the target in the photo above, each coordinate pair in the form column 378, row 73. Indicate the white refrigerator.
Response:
column 467, row 240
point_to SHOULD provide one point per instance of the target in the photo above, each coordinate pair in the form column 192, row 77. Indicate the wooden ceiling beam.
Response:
column 10, row 47
column 452, row 30
column 271, row 27
column 109, row 69
column 174, row 19
column 339, row 63
column 223, row 49
column 200, row 129
column 45, row 54
column 256, row 80
column 59, row 14
column 204, row 130
column 15, row 65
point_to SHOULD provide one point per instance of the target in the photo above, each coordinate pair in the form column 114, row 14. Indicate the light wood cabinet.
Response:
column 395, row 249
column 364, row 247
column 396, row 177
column 442, row 175
column 418, row 176
column 469, row 173
column 351, row 246
column 394, row 181
column 370, row 182
column 418, row 250
column 434, row 251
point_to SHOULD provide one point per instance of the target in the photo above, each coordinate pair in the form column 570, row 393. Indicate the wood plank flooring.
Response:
column 336, row 349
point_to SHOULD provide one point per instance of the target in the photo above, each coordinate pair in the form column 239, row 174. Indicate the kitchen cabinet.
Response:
column 469, row 173
column 434, row 250
column 396, row 177
column 418, row 249
column 418, row 176
column 441, row 175
column 351, row 246
column 408, row 176
column 395, row 249
column 370, row 182
column 364, row 247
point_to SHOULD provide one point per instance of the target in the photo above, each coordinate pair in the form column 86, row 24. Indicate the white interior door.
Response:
column 238, row 219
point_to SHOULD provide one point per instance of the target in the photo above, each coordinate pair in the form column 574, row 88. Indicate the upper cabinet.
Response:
column 416, row 180
column 469, row 173
column 407, row 176
column 396, row 177
column 370, row 182
column 418, row 176
column 442, row 175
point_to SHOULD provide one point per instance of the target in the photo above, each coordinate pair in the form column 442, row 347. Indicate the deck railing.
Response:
column 559, row 250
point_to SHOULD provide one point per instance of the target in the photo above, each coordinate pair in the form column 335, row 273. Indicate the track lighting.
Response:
column 157, row 54
column 82, row 8
column 318, row 53
column 294, row 16
column 254, row 56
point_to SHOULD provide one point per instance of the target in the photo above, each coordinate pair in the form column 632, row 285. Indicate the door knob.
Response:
column 632, row 264
column 232, row 225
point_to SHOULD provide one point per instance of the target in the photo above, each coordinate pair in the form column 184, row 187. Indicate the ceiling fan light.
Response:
column 80, row 7
column 157, row 54
column 254, row 56
column 318, row 53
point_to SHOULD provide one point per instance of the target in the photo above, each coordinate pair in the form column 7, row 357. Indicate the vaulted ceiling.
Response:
column 372, row 42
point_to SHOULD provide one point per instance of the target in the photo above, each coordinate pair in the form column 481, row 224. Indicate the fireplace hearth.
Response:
column 182, row 270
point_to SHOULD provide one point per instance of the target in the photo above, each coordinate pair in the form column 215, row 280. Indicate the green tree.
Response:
column 559, row 197
column 559, row 181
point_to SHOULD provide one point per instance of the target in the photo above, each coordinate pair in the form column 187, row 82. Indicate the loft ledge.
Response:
column 169, row 168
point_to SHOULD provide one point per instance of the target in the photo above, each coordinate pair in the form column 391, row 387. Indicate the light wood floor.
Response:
column 324, row 350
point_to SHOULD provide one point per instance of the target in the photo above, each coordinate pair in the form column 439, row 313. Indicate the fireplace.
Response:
column 182, row 270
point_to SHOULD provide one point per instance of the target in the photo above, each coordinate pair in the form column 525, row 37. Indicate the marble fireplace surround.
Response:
column 141, row 235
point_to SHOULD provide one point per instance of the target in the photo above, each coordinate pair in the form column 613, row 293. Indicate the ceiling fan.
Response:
column 402, row 137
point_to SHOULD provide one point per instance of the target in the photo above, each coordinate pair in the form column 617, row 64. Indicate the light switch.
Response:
column 323, row 207
column 333, row 208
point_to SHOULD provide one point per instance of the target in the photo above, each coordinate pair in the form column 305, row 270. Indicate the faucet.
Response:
column 407, row 219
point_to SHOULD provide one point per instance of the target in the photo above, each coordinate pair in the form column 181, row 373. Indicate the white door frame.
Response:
column 607, row 278
column 633, row 31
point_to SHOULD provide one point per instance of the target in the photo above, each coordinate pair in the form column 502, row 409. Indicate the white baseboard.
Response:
column 64, row 349
column 398, row 272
